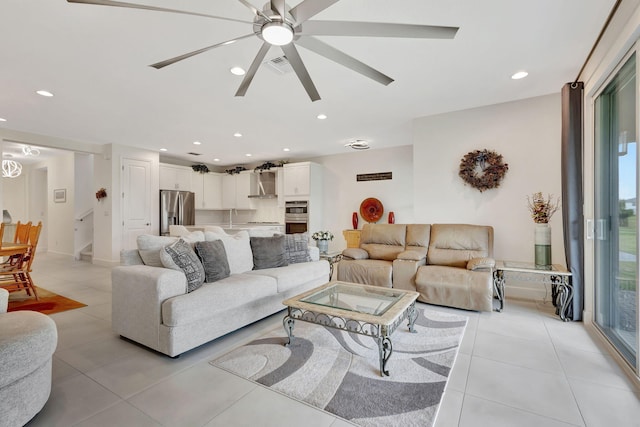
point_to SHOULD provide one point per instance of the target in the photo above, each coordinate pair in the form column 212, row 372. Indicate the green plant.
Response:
column 322, row 235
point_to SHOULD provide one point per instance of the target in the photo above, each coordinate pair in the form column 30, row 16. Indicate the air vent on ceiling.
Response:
column 195, row 154
column 358, row 144
column 280, row 64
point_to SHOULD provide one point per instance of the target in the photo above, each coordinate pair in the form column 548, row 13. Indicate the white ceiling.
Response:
column 95, row 60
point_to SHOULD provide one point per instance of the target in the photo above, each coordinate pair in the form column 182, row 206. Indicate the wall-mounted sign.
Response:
column 373, row 176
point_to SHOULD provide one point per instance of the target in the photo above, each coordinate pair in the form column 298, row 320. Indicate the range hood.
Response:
column 265, row 185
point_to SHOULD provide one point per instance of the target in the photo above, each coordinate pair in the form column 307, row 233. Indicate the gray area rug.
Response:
column 339, row 372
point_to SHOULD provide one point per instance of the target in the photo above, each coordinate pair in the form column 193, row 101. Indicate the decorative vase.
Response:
column 392, row 218
column 6, row 218
column 542, row 246
column 323, row 245
column 354, row 220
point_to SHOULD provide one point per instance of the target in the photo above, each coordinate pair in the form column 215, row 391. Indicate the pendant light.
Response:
column 11, row 169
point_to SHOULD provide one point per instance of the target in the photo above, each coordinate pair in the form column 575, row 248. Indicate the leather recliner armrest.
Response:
column 481, row 264
column 355, row 253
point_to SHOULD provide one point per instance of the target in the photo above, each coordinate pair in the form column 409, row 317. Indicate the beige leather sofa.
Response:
column 448, row 264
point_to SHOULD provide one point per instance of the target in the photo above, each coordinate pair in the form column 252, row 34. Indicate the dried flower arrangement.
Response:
column 483, row 169
column 542, row 209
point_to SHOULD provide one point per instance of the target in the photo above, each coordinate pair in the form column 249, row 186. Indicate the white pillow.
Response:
column 193, row 237
column 238, row 247
column 149, row 248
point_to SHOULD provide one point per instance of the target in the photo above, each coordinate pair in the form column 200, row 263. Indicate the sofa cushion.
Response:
column 226, row 294
column 268, row 252
column 455, row 244
column 297, row 247
column 418, row 235
column 294, row 275
column 214, row 260
column 455, row 287
column 383, row 241
column 238, row 249
column 181, row 257
column 355, row 253
column 367, row 271
column 149, row 248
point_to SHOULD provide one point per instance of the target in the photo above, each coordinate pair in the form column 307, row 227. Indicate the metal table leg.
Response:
column 562, row 292
column 385, row 349
column 288, row 324
column 498, row 287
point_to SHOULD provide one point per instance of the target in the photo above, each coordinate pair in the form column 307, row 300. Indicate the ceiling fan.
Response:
column 277, row 24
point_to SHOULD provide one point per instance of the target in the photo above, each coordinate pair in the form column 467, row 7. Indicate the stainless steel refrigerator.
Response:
column 176, row 208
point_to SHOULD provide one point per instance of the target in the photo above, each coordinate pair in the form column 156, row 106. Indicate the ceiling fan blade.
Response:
column 376, row 29
column 342, row 58
column 242, row 90
column 158, row 9
column 255, row 10
column 293, row 56
column 162, row 64
column 278, row 6
column 309, row 8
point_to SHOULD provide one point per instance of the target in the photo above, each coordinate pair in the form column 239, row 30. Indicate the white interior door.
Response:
column 136, row 200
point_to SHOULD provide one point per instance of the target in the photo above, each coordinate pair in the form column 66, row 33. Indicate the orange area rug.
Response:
column 48, row 302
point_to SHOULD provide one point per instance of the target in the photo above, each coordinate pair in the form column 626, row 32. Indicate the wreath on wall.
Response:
column 483, row 169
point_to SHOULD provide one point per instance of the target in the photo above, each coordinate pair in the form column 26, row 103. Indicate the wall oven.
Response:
column 296, row 216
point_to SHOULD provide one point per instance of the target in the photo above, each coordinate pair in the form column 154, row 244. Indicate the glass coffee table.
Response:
column 353, row 307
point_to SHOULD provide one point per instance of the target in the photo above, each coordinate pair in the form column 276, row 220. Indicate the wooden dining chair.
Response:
column 22, row 232
column 15, row 273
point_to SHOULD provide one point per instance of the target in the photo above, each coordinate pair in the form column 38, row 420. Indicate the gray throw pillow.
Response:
column 181, row 257
column 214, row 260
column 297, row 248
column 268, row 252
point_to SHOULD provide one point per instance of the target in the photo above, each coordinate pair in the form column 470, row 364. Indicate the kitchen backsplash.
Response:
column 267, row 210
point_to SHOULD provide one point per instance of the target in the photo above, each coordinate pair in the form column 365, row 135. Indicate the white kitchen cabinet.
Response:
column 301, row 180
column 208, row 190
column 174, row 177
column 236, row 189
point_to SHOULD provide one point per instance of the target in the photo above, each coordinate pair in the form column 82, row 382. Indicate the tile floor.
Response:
column 520, row 367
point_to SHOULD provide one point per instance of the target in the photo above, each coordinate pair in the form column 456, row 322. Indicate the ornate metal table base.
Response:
column 382, row 333
column 561, row 288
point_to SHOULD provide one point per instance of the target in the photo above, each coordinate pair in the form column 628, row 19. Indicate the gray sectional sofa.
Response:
column 151, row 305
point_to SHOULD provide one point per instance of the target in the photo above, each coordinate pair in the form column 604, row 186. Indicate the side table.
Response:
column 557, row 275
column 333, row 258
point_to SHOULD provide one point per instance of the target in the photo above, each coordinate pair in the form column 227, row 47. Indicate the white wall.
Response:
column 108, row 212
column 343, row 194
column 84, row 201
column 60, row 216
column 39, row 203
column 527, row 134
column 13, row 199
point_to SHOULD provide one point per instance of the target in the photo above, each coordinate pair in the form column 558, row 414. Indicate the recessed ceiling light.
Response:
column 286, row 149
column 44, row 93
column 248, row 155
column 238, row 71
column 2, row 120
column 237, row 135
column 216, row 160
column 321, row 116
column 163, row 149
column 197, row 142
column 520, row 75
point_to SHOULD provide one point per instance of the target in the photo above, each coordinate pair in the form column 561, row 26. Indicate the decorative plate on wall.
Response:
column 371, row 209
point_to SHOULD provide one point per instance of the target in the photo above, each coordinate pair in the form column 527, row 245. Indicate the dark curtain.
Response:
column 572, row 215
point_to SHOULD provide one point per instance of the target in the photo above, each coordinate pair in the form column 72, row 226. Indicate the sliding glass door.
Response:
column 616, row 214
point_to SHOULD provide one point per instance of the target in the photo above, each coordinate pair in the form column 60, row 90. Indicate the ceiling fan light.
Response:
column 277, row 33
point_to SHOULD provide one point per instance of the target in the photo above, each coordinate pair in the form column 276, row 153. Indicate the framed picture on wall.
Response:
column 60, row 195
